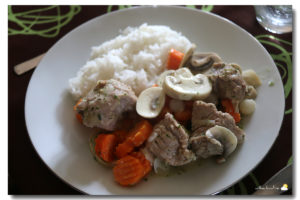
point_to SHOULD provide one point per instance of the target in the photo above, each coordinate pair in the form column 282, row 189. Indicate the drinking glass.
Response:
column 276, row 19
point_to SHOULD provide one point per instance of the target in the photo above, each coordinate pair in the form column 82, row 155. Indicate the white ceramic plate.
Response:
column 62, row 142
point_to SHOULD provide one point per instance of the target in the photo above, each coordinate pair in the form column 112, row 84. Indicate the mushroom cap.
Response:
column 225, row 137
column 201, row 61
column 163, row 75
column 187, row 55
column 150, row 102
column 183, row 85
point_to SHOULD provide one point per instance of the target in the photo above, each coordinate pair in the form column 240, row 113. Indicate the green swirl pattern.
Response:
column 32, row 22
column 281, row 59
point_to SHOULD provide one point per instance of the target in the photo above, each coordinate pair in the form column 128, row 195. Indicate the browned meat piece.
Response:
column 106, row 103
column 205, row 147
column 227, row 81
column 169, row 142
column 206, row 115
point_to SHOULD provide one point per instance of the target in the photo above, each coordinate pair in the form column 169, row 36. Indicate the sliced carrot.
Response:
column 76, row 105
column 136, row 137
column 147, row 165
column 124, row 148
column 154, row 85
column 128, row 171
column 227, row 104
column 79, row 117
column 236, row 117
column 174, row 59
column 139, row 134
column 184, row 115
column 98, row 144
column 105, row 145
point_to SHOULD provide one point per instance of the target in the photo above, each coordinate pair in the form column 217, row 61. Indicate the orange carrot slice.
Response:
column 174, row 59
column 128, row 171
column 124, row 148
column 139, row 134
column 105, row 145
column 227, row 104
column 147, row 165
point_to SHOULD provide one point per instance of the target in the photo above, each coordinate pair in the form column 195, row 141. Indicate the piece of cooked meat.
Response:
column 169, row 142
column 106, row 103
column 227, row 81
column 205, row 147
column 206, row 115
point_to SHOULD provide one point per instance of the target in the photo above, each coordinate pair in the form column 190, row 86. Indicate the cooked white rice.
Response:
column 136, row 57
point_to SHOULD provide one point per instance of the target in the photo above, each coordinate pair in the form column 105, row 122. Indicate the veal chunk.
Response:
column 205, row 147
column 227, row 81
column 206, row 115
column 106, row 103
column 169, row 142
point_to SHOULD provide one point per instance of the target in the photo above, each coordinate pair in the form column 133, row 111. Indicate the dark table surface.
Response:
column 28, row 174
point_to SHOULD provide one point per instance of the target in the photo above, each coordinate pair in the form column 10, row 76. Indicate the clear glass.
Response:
column 276, row 19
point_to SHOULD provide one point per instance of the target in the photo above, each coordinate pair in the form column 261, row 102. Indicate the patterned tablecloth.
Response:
column 32, row 30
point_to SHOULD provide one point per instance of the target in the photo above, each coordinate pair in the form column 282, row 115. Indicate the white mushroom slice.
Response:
column 185, row 86
column 247, row 106
column 183, row 72
column 225, row 137
column 187, row 55
column 150, row 102
column 201, row 61
column 163, row 75
column 251, row 77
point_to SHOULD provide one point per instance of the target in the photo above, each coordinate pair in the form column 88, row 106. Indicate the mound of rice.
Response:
column 136, row 57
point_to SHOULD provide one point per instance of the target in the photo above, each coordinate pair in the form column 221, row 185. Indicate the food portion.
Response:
column 184, row 85
column 169, row 142
column 158, row 104
column 136, row 57
column 106, row 104
column 150, row 102
column 206, row 115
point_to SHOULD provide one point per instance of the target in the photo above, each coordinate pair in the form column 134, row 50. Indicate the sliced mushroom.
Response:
column 225, row 137
column 187, row 55
column 150, row 102
column 163, row 75
column 185, row 86
column 200, row 62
